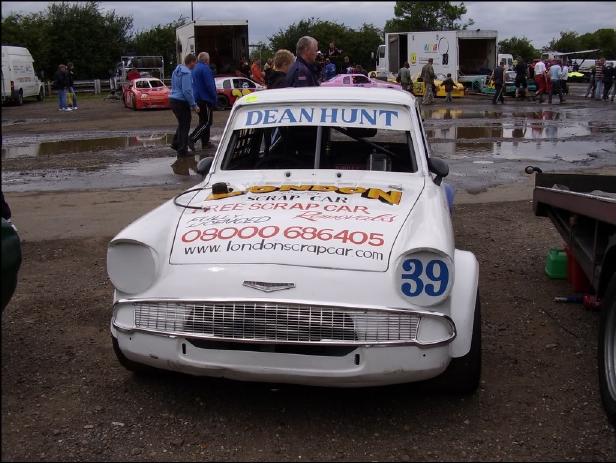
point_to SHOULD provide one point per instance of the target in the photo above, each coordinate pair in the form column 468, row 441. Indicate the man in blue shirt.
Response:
column 204, row 89
column 182, row 101
column 555, row 71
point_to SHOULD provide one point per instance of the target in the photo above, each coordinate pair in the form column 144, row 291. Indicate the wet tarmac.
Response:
column 485, row 146
column 76, row 146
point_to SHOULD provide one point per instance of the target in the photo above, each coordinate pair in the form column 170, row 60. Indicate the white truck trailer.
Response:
column 467, row 55
column 225, row 41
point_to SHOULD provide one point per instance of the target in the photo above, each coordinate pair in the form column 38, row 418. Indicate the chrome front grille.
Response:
column 279, row 322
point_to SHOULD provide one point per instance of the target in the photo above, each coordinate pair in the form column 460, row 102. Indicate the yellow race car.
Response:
column 419, row 87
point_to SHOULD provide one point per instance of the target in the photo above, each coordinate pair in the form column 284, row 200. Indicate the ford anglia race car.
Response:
column 318, row 249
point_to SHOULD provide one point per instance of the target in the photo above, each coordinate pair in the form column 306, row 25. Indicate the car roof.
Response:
column 377, row 96
column 142, row 79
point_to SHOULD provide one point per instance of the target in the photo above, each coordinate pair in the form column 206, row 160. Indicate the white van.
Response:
column 19, row 80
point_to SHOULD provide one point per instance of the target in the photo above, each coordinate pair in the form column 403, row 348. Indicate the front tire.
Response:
column 463, row 374
column 133, row 100
column 607, row 351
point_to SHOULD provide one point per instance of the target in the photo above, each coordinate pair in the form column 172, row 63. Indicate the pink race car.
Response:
column 357, row 80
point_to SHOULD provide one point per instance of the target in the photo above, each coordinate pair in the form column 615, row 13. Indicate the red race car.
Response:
column 146, row 92
column 230, row 88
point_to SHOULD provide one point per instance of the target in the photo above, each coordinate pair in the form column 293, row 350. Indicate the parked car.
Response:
column 318, row 249
column 146, row 92
column 358, row 80
column 19, row 80
column 230, row 88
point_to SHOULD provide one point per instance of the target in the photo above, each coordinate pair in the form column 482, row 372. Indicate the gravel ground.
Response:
column 65, row 397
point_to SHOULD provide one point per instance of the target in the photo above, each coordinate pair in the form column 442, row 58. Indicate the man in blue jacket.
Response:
column 182, row 101
column 204, row 89
column 303, row 72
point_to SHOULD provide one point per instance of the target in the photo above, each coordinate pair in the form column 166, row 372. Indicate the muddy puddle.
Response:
column 50, row 148
column 568, row 151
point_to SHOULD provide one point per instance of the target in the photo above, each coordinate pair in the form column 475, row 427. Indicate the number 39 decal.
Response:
column 424, row 278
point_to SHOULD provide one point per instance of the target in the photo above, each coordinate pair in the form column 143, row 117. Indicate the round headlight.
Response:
column 425, row 277
column 131, row 267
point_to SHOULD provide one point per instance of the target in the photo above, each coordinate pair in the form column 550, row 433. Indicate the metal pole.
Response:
column 192, row 12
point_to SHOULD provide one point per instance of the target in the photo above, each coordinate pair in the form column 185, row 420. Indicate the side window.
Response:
column 248, row 84
column 346, row 81
column 156, row 83
column 360, row 80
column 226, row 84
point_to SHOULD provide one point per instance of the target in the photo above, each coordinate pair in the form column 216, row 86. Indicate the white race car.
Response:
column 318, row 249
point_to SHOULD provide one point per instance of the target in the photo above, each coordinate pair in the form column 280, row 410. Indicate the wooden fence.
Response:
column 96, row 86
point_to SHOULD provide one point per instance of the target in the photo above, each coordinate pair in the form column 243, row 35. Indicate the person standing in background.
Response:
column 182, row 100
column 405, row 77
column 256, row 73
column 283, row 59
column 498, row 77
column 555, row 73
column 448, row 84
column 71, row 85
column 427, row 75
column 540, row 79
column 329, row 70
column 590, row 91
column 204, row 90
column 521, row 70
column 564, row 77
column 60, row 83
column 302, row 72
column 608, row 80
column 599, row 78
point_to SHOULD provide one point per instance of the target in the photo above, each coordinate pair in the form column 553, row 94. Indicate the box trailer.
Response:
column 467, row 55
column 225, row 41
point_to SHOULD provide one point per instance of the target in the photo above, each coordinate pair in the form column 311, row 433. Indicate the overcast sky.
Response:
column 538, row 21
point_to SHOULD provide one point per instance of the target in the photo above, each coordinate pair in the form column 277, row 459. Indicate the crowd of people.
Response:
column 324, row 65
column 194, row 89
column 64, row 83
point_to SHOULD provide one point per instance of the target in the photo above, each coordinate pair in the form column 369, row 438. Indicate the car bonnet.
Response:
column 351, row 226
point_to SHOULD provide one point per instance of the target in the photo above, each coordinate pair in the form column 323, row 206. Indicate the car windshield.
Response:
column 156, row 83
column 369, row 140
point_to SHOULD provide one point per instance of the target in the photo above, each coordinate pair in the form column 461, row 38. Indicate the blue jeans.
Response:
column 62, row 98
column 599, row 89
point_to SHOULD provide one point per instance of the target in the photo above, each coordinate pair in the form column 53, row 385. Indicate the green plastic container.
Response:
column 556, row 264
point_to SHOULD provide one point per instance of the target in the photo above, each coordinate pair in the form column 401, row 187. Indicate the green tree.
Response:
column 427, row 16
column 568, row 41
column 357, row 44
column 518, row 46
column 77, row 32
column 603, row 39
column 159, row 40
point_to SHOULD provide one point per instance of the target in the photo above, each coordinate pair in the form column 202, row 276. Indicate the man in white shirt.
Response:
column 563, row 78
column 540, row 80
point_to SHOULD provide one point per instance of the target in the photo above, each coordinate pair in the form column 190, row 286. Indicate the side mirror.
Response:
column 204, row 166
column 438, row 167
